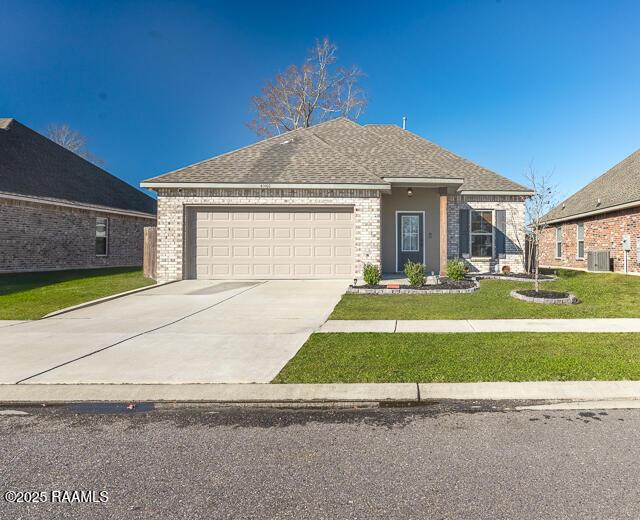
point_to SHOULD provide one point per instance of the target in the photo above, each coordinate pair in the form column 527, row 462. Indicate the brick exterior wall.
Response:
column 601, row 233
column 43, row 237
column 171, row 213
column 515, row 221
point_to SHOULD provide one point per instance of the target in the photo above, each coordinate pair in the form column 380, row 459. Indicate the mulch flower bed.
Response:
column 551, row 297
column 544, row 294
column 444, row 287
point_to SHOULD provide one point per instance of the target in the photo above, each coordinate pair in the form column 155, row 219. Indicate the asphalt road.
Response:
column 441, row 461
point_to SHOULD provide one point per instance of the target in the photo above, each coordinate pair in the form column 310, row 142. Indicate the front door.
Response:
column 410, row 238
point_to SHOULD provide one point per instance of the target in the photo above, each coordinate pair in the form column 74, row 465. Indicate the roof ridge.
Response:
column 345, row 157
column 296, row 130
column 421, row 157
column 592, row 181
column 455, row 155
column 245, row 147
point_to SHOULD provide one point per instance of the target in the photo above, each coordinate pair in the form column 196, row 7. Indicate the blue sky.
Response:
column 159, row 85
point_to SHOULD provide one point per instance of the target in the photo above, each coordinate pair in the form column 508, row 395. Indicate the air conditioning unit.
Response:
column 598, row 261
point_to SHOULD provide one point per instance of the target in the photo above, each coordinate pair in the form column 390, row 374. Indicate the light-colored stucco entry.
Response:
column 188, row 332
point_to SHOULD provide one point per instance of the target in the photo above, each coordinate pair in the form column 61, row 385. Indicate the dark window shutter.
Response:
column 501, row 239
column 463, row 224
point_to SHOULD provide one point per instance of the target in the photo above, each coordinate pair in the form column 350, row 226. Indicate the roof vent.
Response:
column 404, row 122
column 599, row 202
column 564, row 205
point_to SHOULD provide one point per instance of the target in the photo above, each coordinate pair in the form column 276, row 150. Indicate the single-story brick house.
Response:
column 323, row 201
column 59, row 211
column 602, row 216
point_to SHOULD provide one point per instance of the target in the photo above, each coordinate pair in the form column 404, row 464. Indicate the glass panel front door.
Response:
column 410, row 238
column 410, row 226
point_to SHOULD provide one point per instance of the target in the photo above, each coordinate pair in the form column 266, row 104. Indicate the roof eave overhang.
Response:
column 522, row 193
column 424, row 181
column 600, row 211
column 75, row 205
column 267, row 186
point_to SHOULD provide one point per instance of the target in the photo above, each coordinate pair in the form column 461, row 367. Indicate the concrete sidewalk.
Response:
column 519, row 325
column 326, row 393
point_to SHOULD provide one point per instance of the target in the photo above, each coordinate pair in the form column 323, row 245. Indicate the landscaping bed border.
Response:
column 489, row 276
column 571, row 299
column 404, row 290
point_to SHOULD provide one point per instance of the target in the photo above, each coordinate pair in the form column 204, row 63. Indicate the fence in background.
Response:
column 150, row 252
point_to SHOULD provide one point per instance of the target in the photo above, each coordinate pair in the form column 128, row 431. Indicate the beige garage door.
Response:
column 247, row 243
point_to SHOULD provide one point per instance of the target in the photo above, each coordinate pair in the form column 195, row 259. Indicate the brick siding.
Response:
column 171, row 211
column 366, row 204
column 43, row 237
column 515, row 221
column 601, row 233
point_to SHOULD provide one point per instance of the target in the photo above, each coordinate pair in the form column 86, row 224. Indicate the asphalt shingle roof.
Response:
column 619, row 185
column 340, row 151
column 32, row 165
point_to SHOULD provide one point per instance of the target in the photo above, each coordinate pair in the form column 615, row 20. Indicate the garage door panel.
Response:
column 273, row 243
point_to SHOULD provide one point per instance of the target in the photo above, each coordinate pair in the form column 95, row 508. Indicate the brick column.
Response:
column 443, row 231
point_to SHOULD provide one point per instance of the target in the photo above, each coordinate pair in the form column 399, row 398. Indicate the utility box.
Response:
column 626, row 243
column 598, row 261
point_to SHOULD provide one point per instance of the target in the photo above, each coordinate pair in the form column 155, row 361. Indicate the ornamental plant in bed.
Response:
column 371, row 274
column 455, row 270
column 414, row 271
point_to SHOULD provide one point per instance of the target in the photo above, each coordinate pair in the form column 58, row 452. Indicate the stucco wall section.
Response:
column 42, row 237
column 171, row 218
column 601, row 233
column 515, row 213
column 423, row 199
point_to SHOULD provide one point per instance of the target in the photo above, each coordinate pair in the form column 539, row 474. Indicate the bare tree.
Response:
column 536, row 207
column 308, row 94
column 72, row 140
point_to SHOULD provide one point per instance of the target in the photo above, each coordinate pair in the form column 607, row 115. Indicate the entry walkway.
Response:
column 529, row 325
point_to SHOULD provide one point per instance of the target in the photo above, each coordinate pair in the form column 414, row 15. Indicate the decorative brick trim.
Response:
column 172, row 204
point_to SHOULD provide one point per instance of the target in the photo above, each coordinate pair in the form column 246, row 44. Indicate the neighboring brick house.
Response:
column 602, row 216
column 59, row 211
column 323, row 201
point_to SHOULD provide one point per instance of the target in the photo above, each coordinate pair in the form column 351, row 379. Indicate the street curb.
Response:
column 318, row 393
column 211, row 393
column 105, row 299
column 533, row 390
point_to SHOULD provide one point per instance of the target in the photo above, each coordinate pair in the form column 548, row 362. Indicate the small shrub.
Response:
column 371, row 274
column 506, row 269
column 455, row 270
column 414, row 271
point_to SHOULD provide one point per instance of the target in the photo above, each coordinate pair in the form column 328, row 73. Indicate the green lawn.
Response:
column 385, row 358
column 601, row 296
column 30, row 296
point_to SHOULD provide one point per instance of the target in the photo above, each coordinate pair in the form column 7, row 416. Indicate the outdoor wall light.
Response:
column 410, row 192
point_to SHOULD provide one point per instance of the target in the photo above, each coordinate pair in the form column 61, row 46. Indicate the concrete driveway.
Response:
column 185, row 332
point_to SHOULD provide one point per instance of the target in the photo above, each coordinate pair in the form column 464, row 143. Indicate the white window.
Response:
column 559, row 242
column 410, row 227
column 102, row 236
column 482, row 233
column 580, row 241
